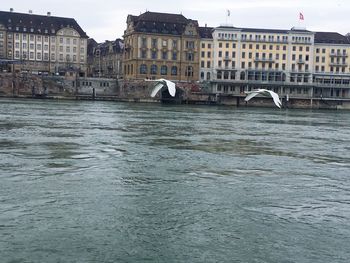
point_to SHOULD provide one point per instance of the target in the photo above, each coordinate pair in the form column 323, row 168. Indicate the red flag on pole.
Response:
column 301, row 16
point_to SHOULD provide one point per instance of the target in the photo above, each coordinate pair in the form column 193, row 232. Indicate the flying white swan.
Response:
column 264, row 92
column 160, row 84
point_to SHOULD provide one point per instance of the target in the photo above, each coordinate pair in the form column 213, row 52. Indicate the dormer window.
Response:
column 17, row 28
column 32, row 30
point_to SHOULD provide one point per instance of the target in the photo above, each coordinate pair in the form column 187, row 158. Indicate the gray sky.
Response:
column 106, row 20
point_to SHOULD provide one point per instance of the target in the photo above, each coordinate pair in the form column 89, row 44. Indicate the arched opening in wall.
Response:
column 143, row 69
column 163, row 70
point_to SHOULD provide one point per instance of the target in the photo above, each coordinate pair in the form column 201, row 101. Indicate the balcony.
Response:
column 270, row 60
column 338, row 64
column 300, row 61
column 338, row 54
column 227, row 58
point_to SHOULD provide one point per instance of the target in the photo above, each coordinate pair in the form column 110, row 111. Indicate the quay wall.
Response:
column 71, row 87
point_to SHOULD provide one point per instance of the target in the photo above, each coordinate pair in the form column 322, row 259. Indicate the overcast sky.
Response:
column 106, row 20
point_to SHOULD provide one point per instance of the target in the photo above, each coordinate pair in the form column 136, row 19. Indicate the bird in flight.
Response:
column 160, row 83
column 264, row 92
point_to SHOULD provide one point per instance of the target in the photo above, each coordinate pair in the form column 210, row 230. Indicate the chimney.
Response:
column 11, row 9
column 48, row 13
column 30, row 11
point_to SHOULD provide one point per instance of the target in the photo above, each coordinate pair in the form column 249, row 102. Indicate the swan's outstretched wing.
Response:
column 157, row 88
column 171, row 87
column 251, row 94
column 276, row 98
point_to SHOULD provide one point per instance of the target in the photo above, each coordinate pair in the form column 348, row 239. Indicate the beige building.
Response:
column 37, row 43
column 161, row 45
column 294, row 63
column 206, row 55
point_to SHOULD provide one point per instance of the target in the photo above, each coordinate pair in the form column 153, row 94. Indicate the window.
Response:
column 208, row 64
column 164, row 55
column 190, row 56
column 174, row 43
column 173, row 70
column 163, row 70
column 143, row 54
column 154, row 54
column 190, row 44
column 154, row 42
column 189, row 71
column 143, row 69
column 154, row 69
column 209, row 54
column 174, row 56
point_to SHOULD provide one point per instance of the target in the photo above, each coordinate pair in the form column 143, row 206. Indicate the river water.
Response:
column 116, row 182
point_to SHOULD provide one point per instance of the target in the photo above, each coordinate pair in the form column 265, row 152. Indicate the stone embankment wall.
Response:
column 71, row 87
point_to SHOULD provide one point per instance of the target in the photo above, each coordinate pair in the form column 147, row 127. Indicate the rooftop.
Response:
column 38, row 24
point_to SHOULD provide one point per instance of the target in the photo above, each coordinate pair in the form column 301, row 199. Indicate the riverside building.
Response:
column 161, row 45
column 42, row 43
column 295, row 63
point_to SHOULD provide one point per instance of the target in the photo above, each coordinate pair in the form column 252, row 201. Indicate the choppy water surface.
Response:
column 115, row 182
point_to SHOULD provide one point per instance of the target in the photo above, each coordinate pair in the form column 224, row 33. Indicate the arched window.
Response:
column 163, row 70
column 154, row 69
column 189, row 71
column 173, row 70
column 202, row 75
column 143, row 69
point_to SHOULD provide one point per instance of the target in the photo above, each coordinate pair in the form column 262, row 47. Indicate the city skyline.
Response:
column 109, row 20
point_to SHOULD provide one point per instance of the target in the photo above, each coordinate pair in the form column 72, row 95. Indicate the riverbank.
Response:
column 71, row 87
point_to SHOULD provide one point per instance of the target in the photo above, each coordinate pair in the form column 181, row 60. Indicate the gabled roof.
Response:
column 330, row 38
column 160, row 23
column 163, row 17
column 43, row 25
